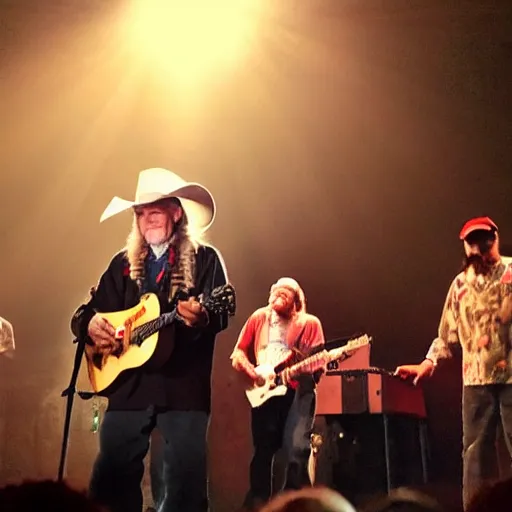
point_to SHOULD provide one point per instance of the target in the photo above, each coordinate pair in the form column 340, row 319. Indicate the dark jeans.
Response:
column 124, row 442
column 483, row 407
column 282, row 422
column 156, row 468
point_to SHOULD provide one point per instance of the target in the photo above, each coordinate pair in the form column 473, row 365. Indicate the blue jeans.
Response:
column 483, row 407
column 124, row 442
column 282, row 422
column 156, row 468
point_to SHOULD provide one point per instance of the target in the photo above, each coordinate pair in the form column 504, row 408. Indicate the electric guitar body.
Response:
column 269, row 384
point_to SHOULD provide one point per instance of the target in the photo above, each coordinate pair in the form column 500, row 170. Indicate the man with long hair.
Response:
column 478, row 314
column 172, row 390
column 271, row 336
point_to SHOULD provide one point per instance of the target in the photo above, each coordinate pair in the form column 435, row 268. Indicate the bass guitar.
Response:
column 137, row 331
column 271, row 384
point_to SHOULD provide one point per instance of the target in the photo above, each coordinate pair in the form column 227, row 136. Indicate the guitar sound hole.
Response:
column 118, row 350
column 97, row 361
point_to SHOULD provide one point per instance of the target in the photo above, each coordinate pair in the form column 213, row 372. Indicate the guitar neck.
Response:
column 311, row 364
column 221, row 300
column 318, row 360
column 148, row 329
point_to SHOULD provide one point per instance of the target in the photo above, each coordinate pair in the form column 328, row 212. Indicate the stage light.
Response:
column 191, row 41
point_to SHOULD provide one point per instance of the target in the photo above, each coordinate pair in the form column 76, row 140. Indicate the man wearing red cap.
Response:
column 270, row 336
column 477, row 314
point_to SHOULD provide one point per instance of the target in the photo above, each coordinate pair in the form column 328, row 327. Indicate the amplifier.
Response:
column 372, row 390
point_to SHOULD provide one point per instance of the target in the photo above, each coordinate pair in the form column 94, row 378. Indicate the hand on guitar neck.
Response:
column 192, row 312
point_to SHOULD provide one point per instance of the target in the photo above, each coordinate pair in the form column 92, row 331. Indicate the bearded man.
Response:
column 172, row 390
column 477, row 314
column 271, row 336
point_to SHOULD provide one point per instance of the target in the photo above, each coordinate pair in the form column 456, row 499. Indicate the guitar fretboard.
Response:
column 318, row 361
column 148, row 329
column 310, row 364
column 222, row 300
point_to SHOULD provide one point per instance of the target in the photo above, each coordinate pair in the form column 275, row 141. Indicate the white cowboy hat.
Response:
column 155, row 184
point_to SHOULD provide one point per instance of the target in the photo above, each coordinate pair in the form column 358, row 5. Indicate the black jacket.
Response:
column 177, row 381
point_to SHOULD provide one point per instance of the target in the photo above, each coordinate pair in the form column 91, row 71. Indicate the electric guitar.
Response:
column 270, row 383
column 137, row 330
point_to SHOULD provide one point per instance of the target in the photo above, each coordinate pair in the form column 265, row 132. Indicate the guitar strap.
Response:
column 174, row 291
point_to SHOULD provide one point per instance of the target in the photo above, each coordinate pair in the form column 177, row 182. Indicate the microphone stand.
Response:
column 69, row 393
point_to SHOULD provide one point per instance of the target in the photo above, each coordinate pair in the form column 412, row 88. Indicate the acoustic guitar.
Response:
column 270, row 383
column 137, row 331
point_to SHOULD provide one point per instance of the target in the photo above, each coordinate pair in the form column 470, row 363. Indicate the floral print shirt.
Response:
column 478, row 314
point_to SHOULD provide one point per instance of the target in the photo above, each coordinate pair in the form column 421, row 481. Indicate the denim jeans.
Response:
column 156, row 468
column 483, row 407
column 282, row 422
column 124, row 442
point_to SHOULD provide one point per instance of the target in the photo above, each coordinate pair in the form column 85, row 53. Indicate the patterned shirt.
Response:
column 477, row 314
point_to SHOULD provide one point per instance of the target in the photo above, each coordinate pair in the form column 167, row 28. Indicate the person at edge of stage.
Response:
column 477, row 314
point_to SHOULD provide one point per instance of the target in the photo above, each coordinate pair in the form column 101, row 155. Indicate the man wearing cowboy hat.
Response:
column 478, row 315
column 270, row 336
column 172, row 391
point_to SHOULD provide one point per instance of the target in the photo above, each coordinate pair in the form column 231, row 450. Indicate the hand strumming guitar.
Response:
column 243, row 365
column 102, row 333
column 192, row 312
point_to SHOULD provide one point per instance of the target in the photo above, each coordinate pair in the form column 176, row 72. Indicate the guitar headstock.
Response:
column 353, row 344
column 221, row 300
column 359, row 342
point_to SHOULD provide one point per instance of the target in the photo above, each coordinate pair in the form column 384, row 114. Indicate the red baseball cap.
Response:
column 484, row 223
